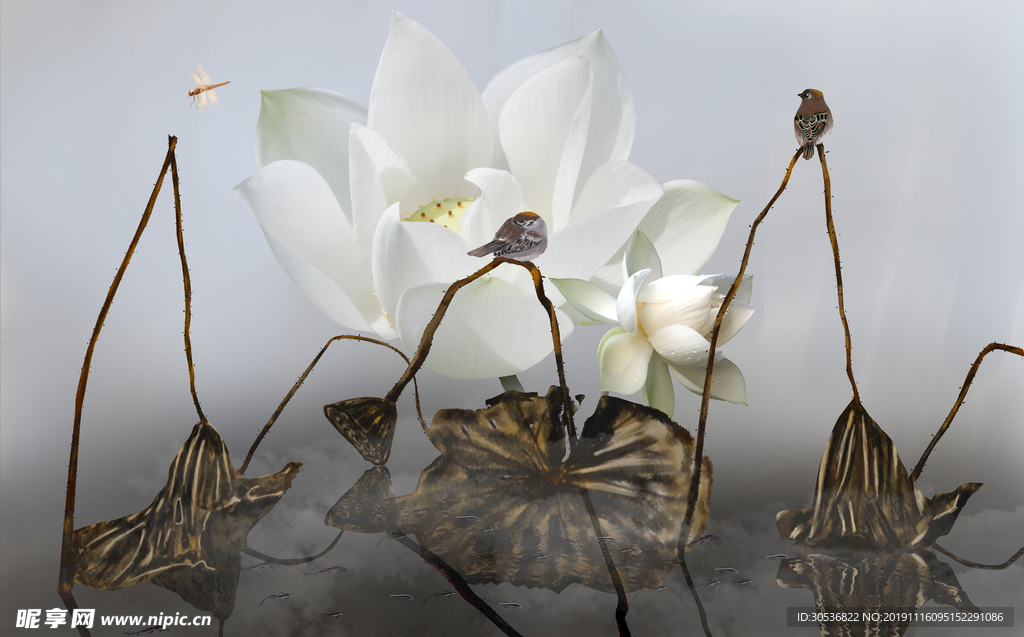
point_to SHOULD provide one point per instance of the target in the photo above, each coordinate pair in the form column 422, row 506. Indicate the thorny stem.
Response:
column 296, row 560
column 188, row 288
column 988, row 567
column 959, row 400
column 66, row 577
column 302, row 379
column 693, row 592
column 459, row 582
column 705, row 398
column 428, row 334
column 839, row 276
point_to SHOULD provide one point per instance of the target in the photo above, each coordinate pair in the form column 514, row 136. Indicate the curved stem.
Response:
column 706, row 395
column 693, row 591
column 839, row 276
column 435, row 322
column 959, row 400
column 66, row 578
column 302, row 379
column 188, row 288
column 988, row 567
column 296, row 560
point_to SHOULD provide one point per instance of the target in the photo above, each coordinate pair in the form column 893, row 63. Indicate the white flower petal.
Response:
column 492, row 328
column 670, row 288
column 408, row 253
column 296, row 207
column 579, row 250
column 691, row 308
column 724, row 281
column 594, row 303
column 680, row 345
column 726, row 380
column 658, row 391
column 686, row 225
column 368, row 201
column 615, row 183
column 613, row 118
column 500, row 199
column 625, row 304
column 640, row 255
column 393, row 171
column 311, row 126
column 623, row 360
column 543, row 130
column 424, row 103
column 735, row 317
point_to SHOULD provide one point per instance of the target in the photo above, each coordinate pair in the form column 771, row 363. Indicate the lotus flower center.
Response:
column 445, row 212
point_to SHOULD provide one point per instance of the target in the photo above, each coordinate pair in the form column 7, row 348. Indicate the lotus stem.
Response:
column 959, row 400
column 66, row 578
column 705, row 398
column 839, row 276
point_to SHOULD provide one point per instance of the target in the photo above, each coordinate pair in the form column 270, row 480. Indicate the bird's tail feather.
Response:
column 809, row 151
column 485, row 249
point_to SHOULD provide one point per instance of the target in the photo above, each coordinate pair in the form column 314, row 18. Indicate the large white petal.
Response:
column 625, row 304
column 613, row 119
column 686, row 225
column 368, row 200
column 623, row 360
column 407, row 254
column 394, row 172
column 727, row 381
column 500, row 199
column 591, row 301
column 325, row 293
column 580, row 249
column 492, row 328
column 658, row 391
column 310, row 125
column 640, row 255
column 680, row 345
column 543, row 129
column 296, row 207
column 424, row 103
column 615, row 183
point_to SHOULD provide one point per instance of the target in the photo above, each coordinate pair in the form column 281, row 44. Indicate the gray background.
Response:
column 926, row 168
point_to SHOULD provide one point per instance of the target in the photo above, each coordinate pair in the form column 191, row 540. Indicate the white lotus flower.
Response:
column 340, row 189
column 666, row 324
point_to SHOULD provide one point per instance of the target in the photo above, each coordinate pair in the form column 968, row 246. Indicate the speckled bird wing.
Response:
column 526, row 241
column 811, row 127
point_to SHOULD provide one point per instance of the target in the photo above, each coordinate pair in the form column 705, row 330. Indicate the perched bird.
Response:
column 524, row 237
column 813, row 120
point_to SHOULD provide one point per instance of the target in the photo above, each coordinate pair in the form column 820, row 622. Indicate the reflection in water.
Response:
column 864, row 497
column 873, row 581
column 503, row 502
column 862, row 543
column 188, row 540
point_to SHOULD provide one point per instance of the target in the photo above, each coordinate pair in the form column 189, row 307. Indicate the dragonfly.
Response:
column 204, row 87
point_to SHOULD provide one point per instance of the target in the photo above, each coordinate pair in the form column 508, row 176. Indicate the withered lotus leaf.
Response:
column 503, row 502
column 866, row 580
column 188, row 540
column 864, row 497
column 367, row 423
